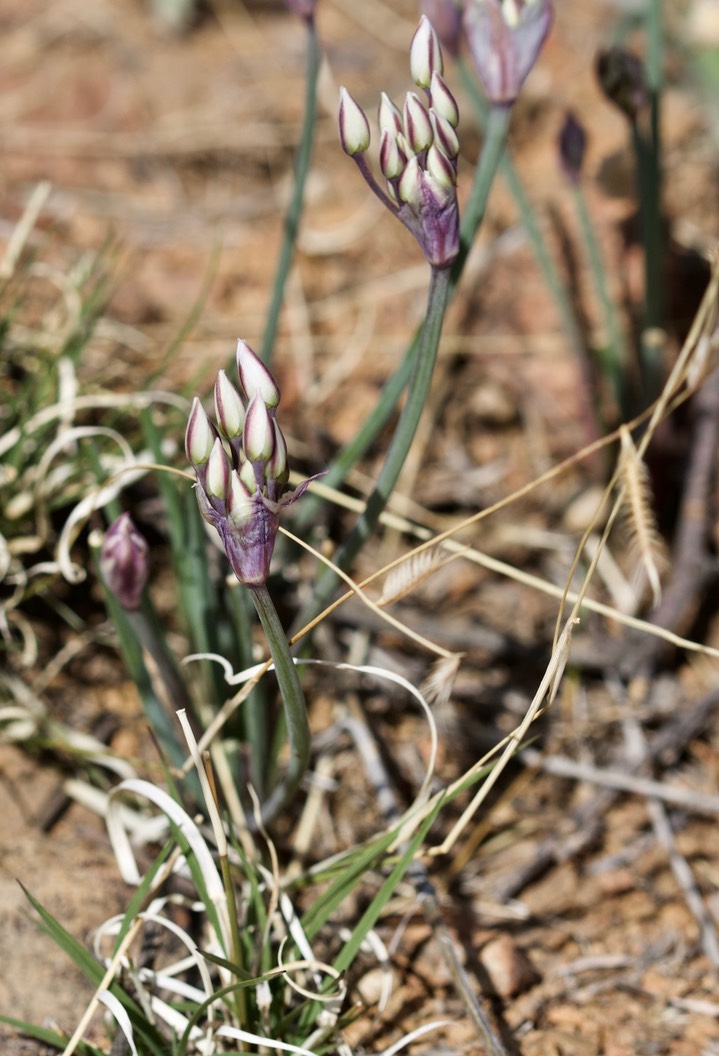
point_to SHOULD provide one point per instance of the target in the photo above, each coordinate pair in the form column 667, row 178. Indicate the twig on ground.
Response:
column 588, row 820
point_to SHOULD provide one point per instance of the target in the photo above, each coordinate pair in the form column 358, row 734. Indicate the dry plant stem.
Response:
column 418, row 876
column 562, row 766
column 679, row 865
column 587, row 822
column 293, row 702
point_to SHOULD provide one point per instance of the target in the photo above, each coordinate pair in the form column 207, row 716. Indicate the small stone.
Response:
column 509, row 969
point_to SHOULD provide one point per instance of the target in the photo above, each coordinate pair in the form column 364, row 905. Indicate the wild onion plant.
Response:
column 265, row 963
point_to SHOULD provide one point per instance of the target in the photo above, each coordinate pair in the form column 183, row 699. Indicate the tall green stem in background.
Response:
column 292, row 218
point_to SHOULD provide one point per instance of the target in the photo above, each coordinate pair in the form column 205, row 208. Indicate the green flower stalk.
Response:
column 242, row 472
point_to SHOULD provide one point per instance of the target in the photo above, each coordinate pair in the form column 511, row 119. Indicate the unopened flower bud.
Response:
column 622, row 79
column 410, row 183
column 303, row 8
column 200, row 435
column 217, row 478
column 247, row 476
column 446, row 19
column 505, row 38
column 125, row 562
column 255, row 377
column 353, row 124
column 240, row 505
column 259, row 434
column 572, row 145
column 417, row 126
column 392, row 160
column 441, row 169
column 229, row 409
column 425, row 54
column 277, row 468
column 443, row 102
column 389, row 116
column 444, row 135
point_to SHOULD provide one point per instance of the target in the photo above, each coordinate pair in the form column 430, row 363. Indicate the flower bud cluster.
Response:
column 417, row 151
column 241, row 466
column 125, row 562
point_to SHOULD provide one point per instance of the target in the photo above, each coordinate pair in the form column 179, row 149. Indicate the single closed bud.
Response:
column 442, row 100
column 572, row 145
column 505, row 38
column 229, row 410
column 303, row 8
column 410, row 183
column 255, row 377
column 417, row 126
column 621, row 78
column 425, row 54
column 392, row 160
column 240, row 506
column 200, row 435
column 354, row 126
column 259, row 435
column 217, row 478
column 446, row 19
column 389, row 116
column 444, row 135
column 441, row 169
column 247, row 476
column 125, row 562
column 277, row 467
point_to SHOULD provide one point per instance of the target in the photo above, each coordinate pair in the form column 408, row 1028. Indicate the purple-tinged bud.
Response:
column 572, row 145
column 442, row 101
column 440, row 169
column 229, row 409
column 417, row 126
column 425, row 54
column 409, row 187
column 505, row 38
column 217, row 476
column 354, row 126
column 392, row 160
column 125, row 562
column 303, row 8
column 259, row 434
column 389, row 116
column 277, row 468
column 622, row 79
column 446, row 19
column 255, row 377
column 444, row 135
column 200, row 435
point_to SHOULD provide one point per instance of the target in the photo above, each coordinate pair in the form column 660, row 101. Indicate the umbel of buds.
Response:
column 241, row 466
column 505, row 38
column 417, row 151
column 125, row 562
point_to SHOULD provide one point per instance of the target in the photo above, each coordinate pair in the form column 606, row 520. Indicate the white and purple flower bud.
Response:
column 425, row 54
column 125, row 562
column 303, row 8
column 277, row 468
column 444, row 135
column 240, row 504
column 442, row 101
column 255, row 377
column 229, row 409
column 417, row 126
column 440, row 169
column 409, row 187
column 200, row 435
column 389, row 116
column 259, row 435
column 392, row 159
column 446, row 19
column 505, row 38
column 353, row 125
column 217, row 473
